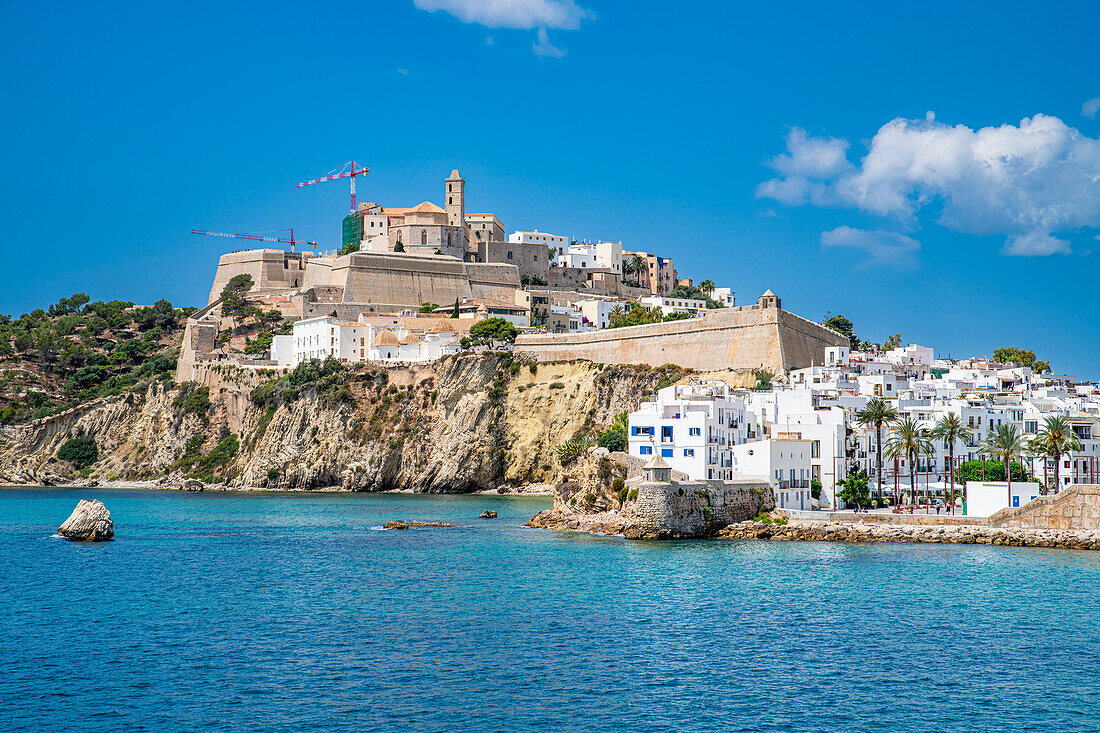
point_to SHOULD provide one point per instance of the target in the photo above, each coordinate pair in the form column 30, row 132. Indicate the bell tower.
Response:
column 455, row 199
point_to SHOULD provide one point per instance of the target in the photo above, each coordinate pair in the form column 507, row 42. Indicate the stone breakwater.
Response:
column 819, row 531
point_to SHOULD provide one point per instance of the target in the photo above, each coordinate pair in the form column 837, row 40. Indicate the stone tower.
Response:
column 455, row 200
column 768, row 300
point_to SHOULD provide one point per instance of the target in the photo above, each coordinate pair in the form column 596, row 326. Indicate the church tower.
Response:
column 455, row 199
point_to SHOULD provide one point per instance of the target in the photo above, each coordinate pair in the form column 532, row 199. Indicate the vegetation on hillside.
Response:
column 78, row 349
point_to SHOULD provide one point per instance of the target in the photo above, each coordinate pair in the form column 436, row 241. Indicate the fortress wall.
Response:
column 406, row 279
column 802, row 341
column 271, row 269
column 731, row 338
column 697, row 508
column 318, row 273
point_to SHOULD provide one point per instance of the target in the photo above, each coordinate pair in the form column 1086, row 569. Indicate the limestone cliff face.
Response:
column 466, row 423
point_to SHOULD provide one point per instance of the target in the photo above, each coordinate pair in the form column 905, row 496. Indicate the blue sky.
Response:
column 731, row 138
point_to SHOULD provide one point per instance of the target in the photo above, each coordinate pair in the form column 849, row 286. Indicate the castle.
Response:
column 396, row 259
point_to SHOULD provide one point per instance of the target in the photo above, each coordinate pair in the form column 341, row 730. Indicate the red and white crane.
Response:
column 259, row 237
column 347, row 170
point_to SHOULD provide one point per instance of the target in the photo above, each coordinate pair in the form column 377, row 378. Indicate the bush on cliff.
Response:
column 80, row 451
column 569, row 450
column 78, row 350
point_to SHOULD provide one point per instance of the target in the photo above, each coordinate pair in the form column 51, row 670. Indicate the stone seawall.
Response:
column 747, row 337
column 1075, row 508
column 810, row 531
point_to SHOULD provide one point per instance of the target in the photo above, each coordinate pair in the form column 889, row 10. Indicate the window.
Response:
column 509, row 254
column 645, row 450
column 694, row 431
column 423, row 237
column 689, row 452
column 815, row 449
column 666, row 452
column 666, row 433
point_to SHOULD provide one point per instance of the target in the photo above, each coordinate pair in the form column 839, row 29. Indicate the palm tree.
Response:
column 909, row 439
column 1005, row 443
column 706, row 287
column 950, row 429
column 877, row 412
column 1054, row 440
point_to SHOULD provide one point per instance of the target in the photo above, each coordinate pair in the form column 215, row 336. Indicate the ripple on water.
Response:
column 262, row 612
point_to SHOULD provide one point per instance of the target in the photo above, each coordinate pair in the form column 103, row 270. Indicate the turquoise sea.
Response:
column 294, row 612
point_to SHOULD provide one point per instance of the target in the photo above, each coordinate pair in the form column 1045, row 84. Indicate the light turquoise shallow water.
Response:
column 234, row 612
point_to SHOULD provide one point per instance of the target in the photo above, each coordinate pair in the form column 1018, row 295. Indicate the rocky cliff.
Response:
column 465, row 423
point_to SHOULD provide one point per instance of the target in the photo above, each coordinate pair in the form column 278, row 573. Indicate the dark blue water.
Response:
column 228, row 612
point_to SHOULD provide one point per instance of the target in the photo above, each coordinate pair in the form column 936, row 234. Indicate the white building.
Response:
column 725, row 296
column 692, row 426
column 556, row 241
column 690, row 306
column 597, row 313
column 785, row 463
column 370, row 339
column 588, row 256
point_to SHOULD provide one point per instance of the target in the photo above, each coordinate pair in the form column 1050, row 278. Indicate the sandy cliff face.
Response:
column 465, row 423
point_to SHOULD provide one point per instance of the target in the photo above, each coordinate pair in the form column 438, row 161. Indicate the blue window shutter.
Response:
column 666, row 452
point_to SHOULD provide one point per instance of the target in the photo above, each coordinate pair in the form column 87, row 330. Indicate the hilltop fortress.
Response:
column 396, row 259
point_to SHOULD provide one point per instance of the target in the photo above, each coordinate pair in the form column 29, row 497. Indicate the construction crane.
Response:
column 347, row 170
column 259, row 237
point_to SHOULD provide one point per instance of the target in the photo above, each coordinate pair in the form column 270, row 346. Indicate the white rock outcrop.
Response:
column 89, row 522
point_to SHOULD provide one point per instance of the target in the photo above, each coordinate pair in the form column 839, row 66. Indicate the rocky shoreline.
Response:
column 823, row 531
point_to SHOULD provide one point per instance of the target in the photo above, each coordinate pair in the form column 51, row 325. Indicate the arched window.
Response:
column 423, row 237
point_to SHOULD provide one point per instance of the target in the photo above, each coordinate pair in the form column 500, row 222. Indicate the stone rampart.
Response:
column 746, row 337
column 1074, row 509
column 270, row 269
column 695, row 508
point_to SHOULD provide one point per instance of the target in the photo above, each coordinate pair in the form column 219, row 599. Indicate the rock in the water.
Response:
column 400, row 524
column 192, row 484
column 487, row 514
column 89, row 522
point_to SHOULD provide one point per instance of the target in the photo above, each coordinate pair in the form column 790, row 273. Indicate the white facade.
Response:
column 984, row 499
column 692, row 427
column 537, row 237
column 361, row 341
column 588, row 256
column 674, row 305
column 725, row 296
column 597, row 313
column 785, row 464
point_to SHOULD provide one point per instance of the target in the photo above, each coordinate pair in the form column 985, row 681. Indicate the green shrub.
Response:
column 272, row 474
column 80, row 451
column 708, row 514
column 193, row 401
column 557, row 385
column 569, row 450
column 632, row 495
column 533, row 368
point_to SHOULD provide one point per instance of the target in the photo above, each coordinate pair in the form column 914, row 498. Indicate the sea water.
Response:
column 297, row 612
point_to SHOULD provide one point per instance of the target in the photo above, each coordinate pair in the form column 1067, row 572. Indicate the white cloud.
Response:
column 883, row 248
column 1091, row 107
column 1035, row 244
column 521, row 14
column 812, row 157
column 545, row 48
column 403, row 72
column 1023, row 182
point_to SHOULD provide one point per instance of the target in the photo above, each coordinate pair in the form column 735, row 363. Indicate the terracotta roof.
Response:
column 386, row 338
column 408, row 339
